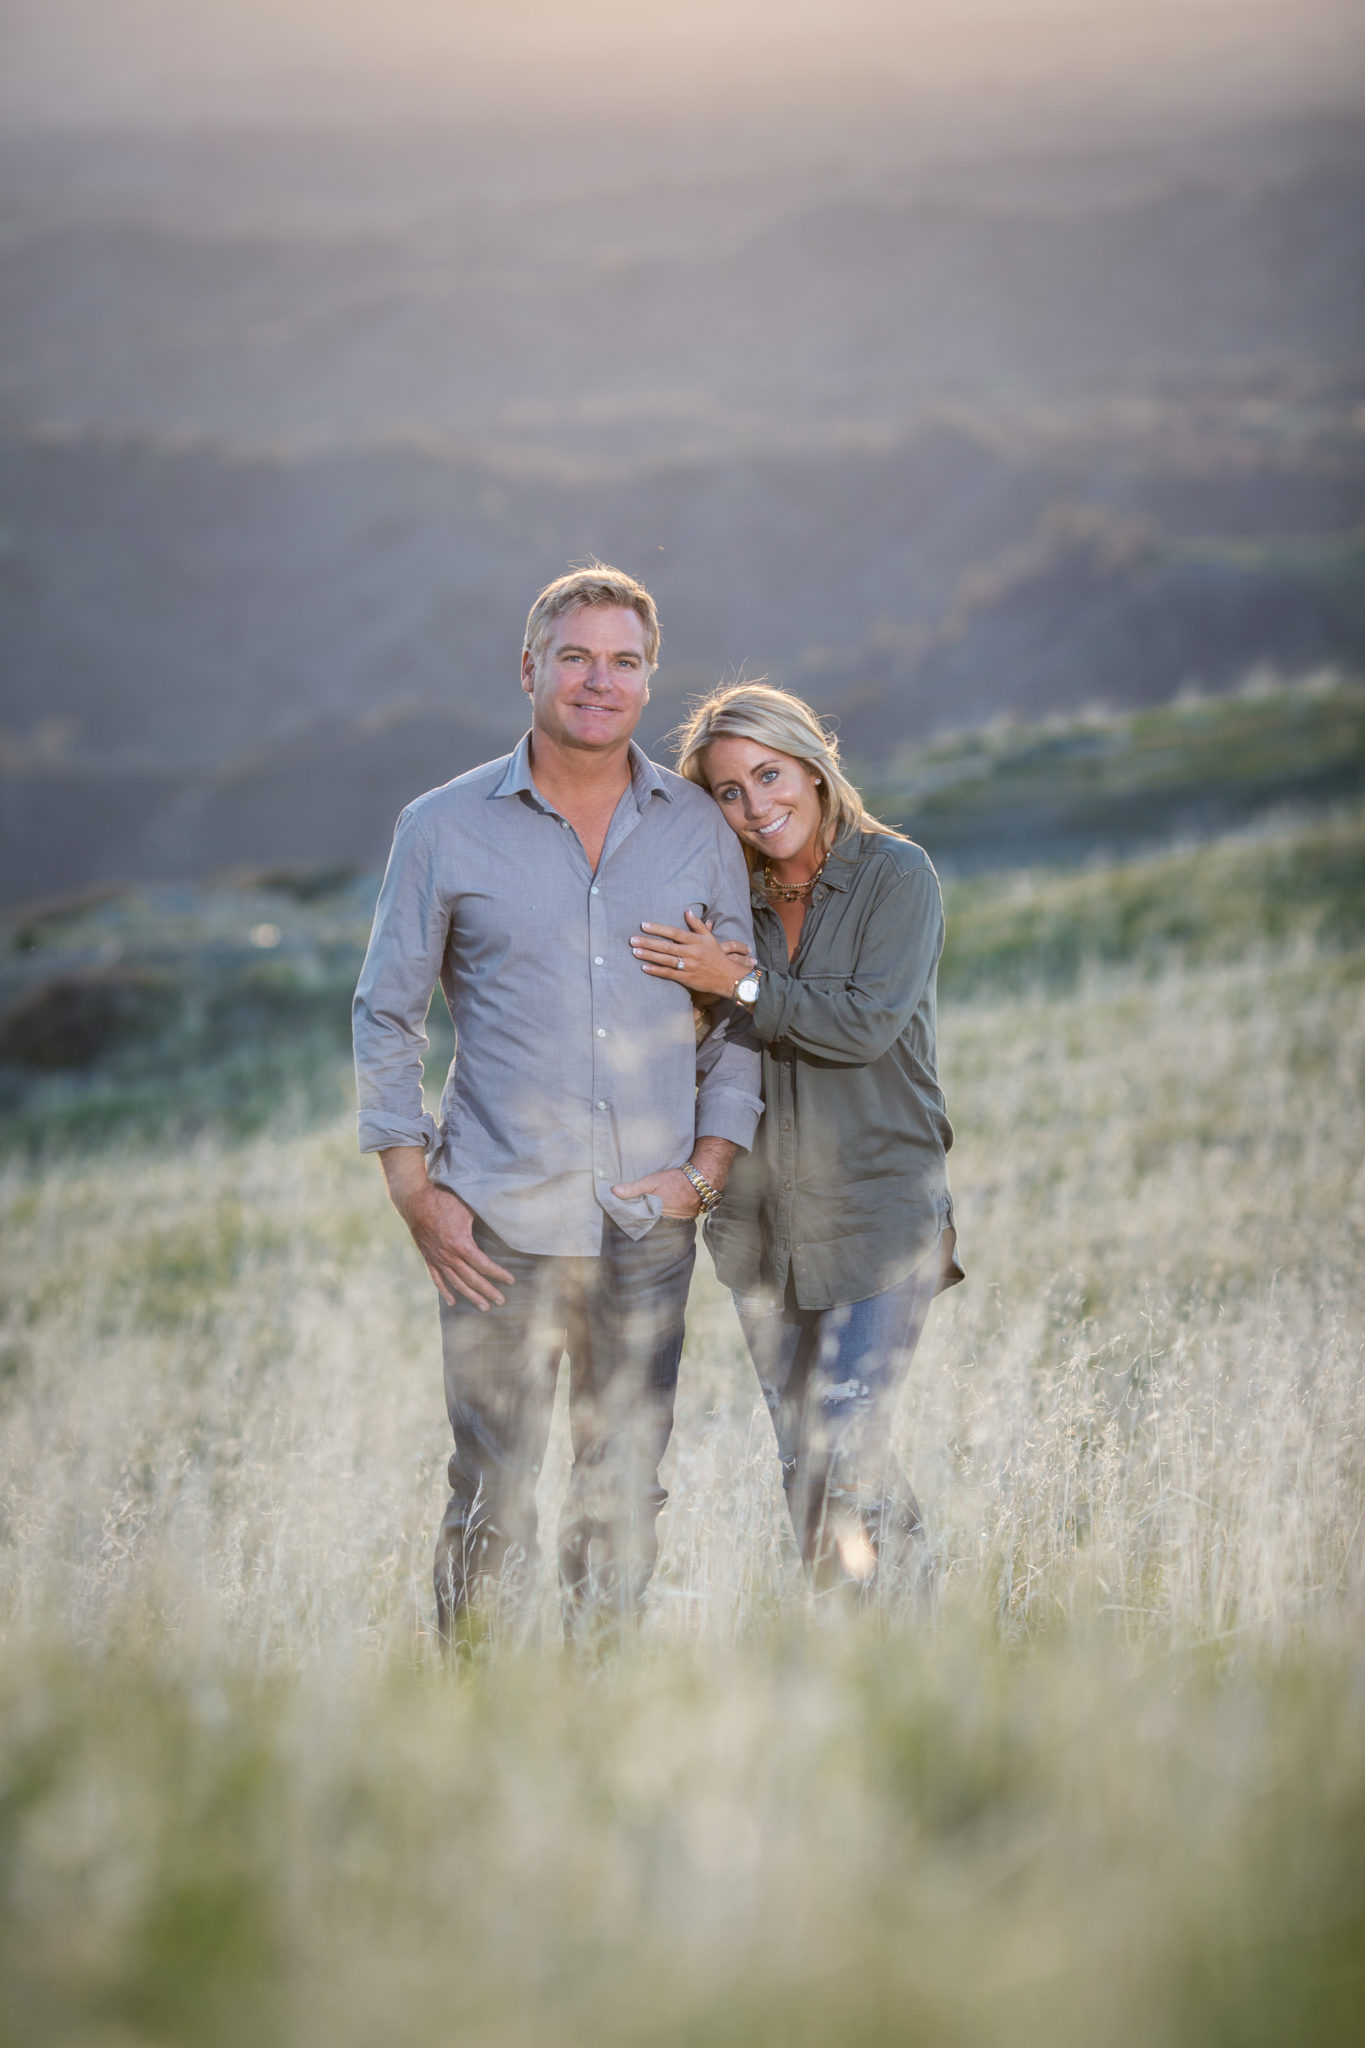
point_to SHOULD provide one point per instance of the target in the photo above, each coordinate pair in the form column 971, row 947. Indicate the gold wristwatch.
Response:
column 709, row 1197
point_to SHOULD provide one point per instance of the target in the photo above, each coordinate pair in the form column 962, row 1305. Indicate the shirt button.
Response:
column 597, row 960
column 786, row 1126
column 600, row 1032
column 594, row 891
column 565, row 823
column 601, row 1105
column 786, row 1184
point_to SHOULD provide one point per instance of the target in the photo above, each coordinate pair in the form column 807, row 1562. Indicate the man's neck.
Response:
column 573, row 776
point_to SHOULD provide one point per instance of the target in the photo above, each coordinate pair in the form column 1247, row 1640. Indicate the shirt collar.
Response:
column 517, row 779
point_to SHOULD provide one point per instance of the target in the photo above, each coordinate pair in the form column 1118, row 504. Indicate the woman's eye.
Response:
column 768, row 775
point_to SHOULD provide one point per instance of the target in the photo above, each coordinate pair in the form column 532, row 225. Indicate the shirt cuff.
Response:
column 776, row 1000
column 729, row 1113
column 377, row 1133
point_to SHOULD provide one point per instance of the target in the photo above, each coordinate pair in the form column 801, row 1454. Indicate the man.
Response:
column 581, row 1128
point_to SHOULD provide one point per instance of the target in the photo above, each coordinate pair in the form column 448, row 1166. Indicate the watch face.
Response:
column 747, row 991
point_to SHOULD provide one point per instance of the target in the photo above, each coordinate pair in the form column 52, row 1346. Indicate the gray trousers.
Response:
column 619, row 1317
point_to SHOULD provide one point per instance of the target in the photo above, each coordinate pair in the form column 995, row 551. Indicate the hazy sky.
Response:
column 178, row 61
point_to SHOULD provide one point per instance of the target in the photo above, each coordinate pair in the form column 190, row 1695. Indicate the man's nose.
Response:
column 599, row 675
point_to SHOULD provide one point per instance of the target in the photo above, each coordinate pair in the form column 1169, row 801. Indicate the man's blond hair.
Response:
column 596, row 583
column 775, row 718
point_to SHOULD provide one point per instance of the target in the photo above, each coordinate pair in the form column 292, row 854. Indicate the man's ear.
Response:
column 528, row 671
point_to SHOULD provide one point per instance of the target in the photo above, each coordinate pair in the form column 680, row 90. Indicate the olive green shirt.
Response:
column 846, row 1189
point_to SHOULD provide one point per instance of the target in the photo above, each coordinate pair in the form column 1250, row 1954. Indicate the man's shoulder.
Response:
column 689, row 799
column 444, row 805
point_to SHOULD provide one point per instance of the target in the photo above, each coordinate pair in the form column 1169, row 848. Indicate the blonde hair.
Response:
column 595, row 583
column 775, row 718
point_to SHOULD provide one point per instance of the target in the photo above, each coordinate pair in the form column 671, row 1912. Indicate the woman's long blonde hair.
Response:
column 775, row 718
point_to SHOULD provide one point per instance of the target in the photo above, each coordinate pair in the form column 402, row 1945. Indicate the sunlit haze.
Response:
column 157, row 61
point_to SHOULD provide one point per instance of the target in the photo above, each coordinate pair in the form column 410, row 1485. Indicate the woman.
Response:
column 836, row 1231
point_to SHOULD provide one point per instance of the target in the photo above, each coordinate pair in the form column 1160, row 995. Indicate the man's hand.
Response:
column 673, row 1188
column 442, row 1229
column 712, row 1158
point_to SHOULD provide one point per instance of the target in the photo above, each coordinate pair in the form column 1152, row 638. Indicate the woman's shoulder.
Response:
column 878, row 856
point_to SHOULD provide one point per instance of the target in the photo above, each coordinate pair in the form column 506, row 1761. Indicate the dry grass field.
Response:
column 1110, row 1791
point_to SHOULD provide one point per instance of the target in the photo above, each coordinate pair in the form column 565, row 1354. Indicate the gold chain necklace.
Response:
column 789, row 892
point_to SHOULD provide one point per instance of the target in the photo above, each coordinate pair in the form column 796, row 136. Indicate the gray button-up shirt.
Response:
column 573, row 1069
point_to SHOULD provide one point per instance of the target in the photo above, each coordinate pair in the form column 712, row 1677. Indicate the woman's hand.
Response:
column 695, row 957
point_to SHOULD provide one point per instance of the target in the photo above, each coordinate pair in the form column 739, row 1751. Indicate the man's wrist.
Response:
column 713, row 1158
column 708, row 1195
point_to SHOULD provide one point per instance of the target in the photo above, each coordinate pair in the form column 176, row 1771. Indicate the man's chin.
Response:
column 600, row 731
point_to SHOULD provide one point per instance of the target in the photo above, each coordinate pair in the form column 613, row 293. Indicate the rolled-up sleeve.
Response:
column 729, row 1059
column 388, row 1016
column 857, row 1022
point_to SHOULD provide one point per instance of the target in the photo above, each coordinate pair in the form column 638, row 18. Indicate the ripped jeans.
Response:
column 830, row 1378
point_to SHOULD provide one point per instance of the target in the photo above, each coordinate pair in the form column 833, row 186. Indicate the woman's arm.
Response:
column 897, row 951
column 706, row 965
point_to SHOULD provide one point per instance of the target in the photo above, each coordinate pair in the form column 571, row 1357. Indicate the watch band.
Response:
column 709, row 1197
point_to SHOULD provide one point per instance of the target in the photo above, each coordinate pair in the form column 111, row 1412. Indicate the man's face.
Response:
column 591, row 680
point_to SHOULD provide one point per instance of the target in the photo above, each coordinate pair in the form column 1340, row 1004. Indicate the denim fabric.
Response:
column 619, row 1316
column 830, row 1379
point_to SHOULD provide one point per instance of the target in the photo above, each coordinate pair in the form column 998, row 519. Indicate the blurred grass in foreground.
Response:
column 1113, row 1792
column 813, row 1835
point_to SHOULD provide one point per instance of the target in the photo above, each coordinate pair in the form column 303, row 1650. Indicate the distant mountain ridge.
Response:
column 523, row 327
column 286, row 450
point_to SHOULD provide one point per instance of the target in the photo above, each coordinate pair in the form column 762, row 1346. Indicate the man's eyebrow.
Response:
column 616, row 654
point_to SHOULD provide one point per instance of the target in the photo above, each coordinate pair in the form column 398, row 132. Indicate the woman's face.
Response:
column 770, row 799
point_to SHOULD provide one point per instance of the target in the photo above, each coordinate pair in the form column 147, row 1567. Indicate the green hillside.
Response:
column 194, row 1007
column 1015, row 795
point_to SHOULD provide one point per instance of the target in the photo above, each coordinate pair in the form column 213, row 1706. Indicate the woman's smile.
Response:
column 770, row 799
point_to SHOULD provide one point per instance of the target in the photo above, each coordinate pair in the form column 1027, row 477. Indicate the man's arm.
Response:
column 712, row 1158
column 442, row 1229
column 729, row 1059
column 729, row 1064
column 402, row 962
column 388, row 1017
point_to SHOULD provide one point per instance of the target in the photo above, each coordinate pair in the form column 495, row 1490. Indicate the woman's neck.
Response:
column 799, row 867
